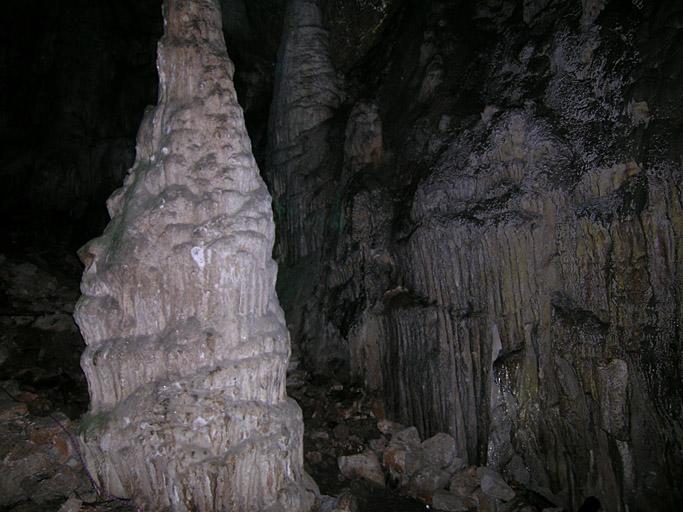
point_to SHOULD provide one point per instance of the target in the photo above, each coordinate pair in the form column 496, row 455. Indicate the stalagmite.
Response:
column 305, row 99
column 187, row 344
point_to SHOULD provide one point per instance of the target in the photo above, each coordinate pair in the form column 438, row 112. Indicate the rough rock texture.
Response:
column 187, row 347
column 363, row 465
column 39, row 466
column 499, row 256
column 305, row 98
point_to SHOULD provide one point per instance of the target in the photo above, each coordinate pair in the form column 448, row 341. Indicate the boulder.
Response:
column 426, row 481
column 439, row 450
column 465, row 482
column 363, row 465
column 492, row 484
column 401, row 460
column 409, row 436
column 388, row 427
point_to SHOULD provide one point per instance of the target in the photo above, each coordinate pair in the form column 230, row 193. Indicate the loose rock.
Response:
column 492, row 484
column 465, row 483
column 364, row 465
column 439, row 450
column 448, row 502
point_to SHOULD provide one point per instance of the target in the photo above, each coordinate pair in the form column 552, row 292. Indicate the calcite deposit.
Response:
column 502, row 247
column 304, row 102
column 187, row 345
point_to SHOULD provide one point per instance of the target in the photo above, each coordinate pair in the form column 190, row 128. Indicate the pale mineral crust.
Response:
column 187, row 345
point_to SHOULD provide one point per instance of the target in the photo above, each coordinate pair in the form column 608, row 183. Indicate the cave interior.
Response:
column 476, row 211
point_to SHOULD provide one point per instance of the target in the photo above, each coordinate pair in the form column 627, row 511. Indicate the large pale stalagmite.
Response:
column 187, row 345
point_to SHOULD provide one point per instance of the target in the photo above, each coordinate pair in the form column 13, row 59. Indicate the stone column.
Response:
column 187, row 345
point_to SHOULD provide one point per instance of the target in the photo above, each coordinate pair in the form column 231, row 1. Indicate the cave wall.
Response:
column 480, row 217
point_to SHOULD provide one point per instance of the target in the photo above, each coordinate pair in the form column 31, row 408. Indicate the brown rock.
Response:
column 364, row 465
column 401, row 460
column 388, row 427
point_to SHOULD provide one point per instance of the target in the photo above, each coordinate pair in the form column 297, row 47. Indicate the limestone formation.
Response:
column 507, row 266
column 187, row 345
column 306, row 96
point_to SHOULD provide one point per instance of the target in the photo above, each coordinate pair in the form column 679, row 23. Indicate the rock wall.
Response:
column 187, row 346
column 500, row 258
column 304, row 101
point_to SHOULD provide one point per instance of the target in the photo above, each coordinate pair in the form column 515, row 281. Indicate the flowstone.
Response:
column 187, row 345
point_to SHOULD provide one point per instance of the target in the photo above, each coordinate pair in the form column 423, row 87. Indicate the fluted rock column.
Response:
column 187, row 344
column 304, row 102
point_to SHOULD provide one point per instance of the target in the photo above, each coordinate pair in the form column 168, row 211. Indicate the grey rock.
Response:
column 326, row 503
column 378, row 445
column 187, row 345
column 409, row 436
column 363, row 465
column 456, row 465
column 465, row 483
column 310, row 485
column 71, row 505
column 426, row 481
column 439, row 450
column 448, row 502
column 492, row 484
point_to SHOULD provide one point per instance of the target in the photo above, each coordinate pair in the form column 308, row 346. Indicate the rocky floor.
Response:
column 361, row 460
